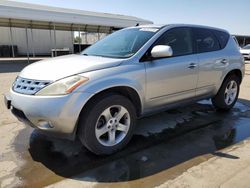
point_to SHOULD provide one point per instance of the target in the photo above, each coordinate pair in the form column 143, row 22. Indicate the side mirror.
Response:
column 161, row 51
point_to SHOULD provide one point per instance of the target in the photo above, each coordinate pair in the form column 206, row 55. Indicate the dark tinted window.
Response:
column 179, row 39
column 222, row 37
column 205, row 41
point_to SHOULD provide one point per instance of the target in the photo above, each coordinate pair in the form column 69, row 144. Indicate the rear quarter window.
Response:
column 205, row 40
column 222, row 37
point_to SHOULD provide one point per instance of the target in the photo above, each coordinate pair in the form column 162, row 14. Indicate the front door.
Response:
column 173, row 78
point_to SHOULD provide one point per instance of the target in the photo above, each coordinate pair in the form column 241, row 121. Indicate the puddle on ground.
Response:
column 164, row 146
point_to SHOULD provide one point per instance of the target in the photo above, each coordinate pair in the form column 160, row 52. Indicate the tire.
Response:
column 107, row 123
column 221, row 101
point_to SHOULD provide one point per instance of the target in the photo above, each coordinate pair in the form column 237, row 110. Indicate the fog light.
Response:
column 45, row 124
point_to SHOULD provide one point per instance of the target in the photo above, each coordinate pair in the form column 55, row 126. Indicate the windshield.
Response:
column 246, row 47
column 121, row 44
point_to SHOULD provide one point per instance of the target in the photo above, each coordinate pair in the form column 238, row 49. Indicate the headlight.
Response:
column 63, row 86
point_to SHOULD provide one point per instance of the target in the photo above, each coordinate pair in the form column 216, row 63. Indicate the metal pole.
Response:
column 32, row 40
column 50, row 36
column 98, row 32
column 27, row 44
column 11, row 39
column 72, row 38
column 86, row 37
column 110, row 30
column 55, row 39
column 86, row 34
column 79, row 42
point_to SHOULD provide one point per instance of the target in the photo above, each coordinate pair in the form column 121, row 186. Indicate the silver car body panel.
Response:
column 61, row 112
column 164, row 75
column 214, row 66
column 159, row 83
column 63, row 66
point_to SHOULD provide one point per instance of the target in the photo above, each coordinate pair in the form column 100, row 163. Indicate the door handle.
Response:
column 223, row 61
column 192, row 65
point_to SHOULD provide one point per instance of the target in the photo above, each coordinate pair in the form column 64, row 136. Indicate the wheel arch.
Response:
column 236, row 72
column 126, row 91
column 219, row 99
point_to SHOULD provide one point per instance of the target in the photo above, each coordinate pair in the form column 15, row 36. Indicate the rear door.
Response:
column 211, row 59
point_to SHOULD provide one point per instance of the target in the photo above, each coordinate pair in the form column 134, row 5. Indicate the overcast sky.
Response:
column 233, row 15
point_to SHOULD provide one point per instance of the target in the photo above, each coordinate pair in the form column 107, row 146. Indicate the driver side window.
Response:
column 179, row 39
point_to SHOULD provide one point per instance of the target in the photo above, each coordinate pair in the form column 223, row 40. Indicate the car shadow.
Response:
column 244, row 101
column 185, row 133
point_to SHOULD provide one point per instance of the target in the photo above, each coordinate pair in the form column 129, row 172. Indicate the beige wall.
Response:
column 42, row 42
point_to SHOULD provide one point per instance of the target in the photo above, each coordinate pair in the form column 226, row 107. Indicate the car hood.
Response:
column 63, row 66
column 245, row 51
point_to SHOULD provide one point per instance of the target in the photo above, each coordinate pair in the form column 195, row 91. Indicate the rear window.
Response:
column 205, row 40
column 222, row 37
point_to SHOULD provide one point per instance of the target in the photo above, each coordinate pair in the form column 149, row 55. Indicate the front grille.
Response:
column 28, row 86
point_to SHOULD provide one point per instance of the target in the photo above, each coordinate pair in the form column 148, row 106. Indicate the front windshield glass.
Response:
column 121, row 44
column 246, row 47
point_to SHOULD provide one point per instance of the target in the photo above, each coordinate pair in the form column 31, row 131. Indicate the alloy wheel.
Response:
column 112, row 125
column 230, row 92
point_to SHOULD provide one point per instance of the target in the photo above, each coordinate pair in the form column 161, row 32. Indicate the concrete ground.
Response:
column 192, row 146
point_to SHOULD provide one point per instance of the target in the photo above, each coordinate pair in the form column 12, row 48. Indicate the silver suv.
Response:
column 98, row 94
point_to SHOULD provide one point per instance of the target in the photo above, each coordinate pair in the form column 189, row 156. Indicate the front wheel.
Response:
column 107, row 124
column 228, row 94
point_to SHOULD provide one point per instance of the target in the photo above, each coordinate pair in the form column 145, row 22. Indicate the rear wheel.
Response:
column 228, row 93
column 107, row 124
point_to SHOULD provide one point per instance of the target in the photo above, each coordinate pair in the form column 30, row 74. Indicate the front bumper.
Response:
column 54, row 114
column 246, row 56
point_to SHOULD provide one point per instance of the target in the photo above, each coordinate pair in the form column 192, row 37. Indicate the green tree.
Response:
column 77, row 40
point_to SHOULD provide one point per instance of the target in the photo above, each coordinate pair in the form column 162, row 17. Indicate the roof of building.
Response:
column 19, row 14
